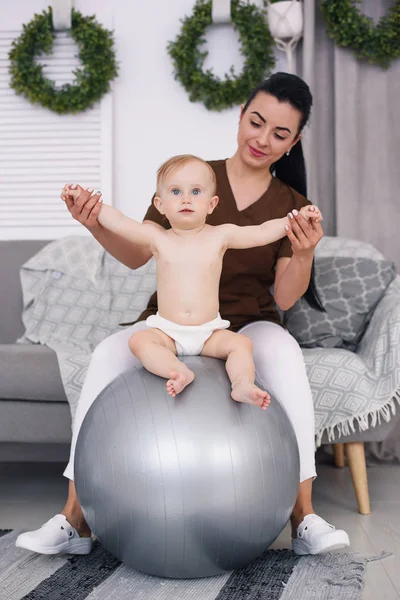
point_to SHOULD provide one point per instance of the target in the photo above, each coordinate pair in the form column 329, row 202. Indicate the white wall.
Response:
column 152, row 116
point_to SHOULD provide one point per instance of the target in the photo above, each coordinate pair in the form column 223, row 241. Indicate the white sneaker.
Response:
column 314, row 536
column 56, row 536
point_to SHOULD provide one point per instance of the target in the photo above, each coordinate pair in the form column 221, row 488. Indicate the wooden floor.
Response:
column 32, row 493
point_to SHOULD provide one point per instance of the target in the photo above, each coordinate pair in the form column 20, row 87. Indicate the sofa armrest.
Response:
column 381, row 341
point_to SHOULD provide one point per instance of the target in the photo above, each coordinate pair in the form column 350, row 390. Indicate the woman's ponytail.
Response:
column 292, row 169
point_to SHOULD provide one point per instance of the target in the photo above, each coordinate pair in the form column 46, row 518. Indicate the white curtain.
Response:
column 353, row 143
column 352, row 148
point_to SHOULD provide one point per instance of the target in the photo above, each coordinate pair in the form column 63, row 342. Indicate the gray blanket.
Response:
column 75, row 295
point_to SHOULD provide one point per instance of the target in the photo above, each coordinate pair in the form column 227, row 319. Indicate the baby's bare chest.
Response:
column 190, row 256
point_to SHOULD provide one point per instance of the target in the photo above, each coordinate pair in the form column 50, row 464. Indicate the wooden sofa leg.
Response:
column 356, row 458
column 338, row 453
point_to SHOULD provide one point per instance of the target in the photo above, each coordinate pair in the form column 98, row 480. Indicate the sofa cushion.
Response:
column 76, row 295
column 34, row 422
column 349, row 288
column 30, row 372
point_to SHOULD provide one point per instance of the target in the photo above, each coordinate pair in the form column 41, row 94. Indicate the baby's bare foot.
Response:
column 251, row 394
column 178, row 381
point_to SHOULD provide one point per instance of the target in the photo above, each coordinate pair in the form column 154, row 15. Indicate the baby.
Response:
column 189, row 263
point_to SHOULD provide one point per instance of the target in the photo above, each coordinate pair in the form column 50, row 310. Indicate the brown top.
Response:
column 247, row 275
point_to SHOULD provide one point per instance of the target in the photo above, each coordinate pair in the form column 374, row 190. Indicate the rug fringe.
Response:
column 365, row 422
column 383, row 554
column 330, row 575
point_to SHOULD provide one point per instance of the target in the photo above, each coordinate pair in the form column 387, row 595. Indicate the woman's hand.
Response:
column 83, row 206
column 304, row 235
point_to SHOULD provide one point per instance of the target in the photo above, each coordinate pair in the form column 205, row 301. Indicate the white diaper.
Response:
column 189, row 339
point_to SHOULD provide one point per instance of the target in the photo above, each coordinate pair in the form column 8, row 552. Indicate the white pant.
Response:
column 279, row 366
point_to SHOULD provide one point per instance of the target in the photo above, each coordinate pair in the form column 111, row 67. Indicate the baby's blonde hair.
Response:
column 176, row 162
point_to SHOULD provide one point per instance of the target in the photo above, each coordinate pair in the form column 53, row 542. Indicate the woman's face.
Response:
column 267, row 130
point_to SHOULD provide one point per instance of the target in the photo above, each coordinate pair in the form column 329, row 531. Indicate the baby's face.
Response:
column 186, row 196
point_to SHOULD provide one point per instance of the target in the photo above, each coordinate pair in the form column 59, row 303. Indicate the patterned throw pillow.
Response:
column 349, row 288
column 75, row 294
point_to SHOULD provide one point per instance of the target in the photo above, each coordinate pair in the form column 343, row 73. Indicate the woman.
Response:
column 269, row 137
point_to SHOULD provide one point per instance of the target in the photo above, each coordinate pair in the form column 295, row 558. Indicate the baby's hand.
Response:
column 311, row 212
column 84, row 205
column 74, row 190
column 68, row 192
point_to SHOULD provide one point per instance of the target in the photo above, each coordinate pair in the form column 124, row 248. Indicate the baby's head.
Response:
column 186, row 187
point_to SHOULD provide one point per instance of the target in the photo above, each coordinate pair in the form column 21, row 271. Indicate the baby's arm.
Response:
column 113, row 220
column 260, row 235
column 131, row 230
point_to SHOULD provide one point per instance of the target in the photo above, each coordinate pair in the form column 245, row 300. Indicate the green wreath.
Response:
column 347, row 26
column 95, row 52
column 256, row 46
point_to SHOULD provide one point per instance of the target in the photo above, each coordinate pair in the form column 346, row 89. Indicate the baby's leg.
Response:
column 157, row 353
column 237, row 350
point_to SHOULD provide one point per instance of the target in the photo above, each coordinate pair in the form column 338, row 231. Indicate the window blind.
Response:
column 40, row 151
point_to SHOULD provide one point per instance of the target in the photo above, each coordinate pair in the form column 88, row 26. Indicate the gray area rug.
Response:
column 276, row 575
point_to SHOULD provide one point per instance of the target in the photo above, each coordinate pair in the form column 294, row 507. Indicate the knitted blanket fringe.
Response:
column 370, row 419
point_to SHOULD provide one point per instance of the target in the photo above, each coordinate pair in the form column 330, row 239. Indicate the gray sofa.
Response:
column 35, row 419
column 35, row 422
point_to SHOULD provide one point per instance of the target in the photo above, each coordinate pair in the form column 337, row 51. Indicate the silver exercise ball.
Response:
column 187, row 487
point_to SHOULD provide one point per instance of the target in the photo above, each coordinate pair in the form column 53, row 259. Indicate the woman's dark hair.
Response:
column 291, row 169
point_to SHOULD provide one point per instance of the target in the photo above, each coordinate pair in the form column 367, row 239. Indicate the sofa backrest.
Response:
column 13, row 254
